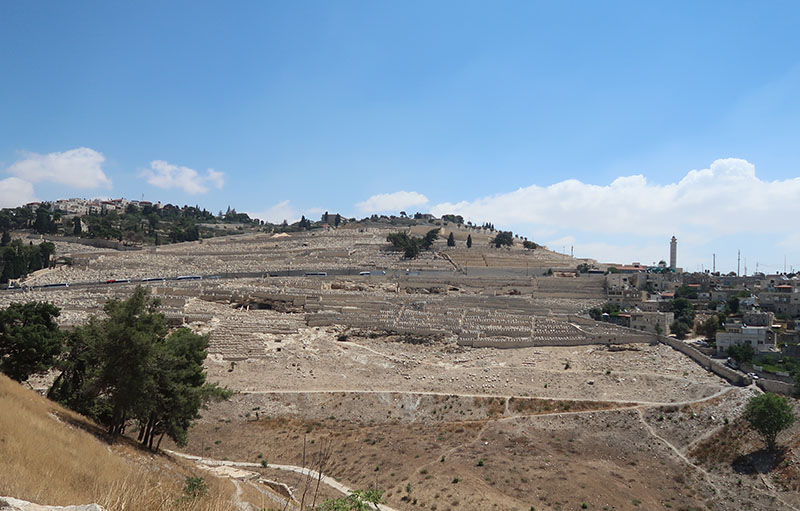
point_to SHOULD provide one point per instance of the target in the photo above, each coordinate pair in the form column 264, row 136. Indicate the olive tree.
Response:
column 769, row 414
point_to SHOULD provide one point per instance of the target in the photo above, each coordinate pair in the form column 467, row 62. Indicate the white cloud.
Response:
column 79, row 168
column 278, row 213
column 165, row 175
column 15, row 192
column 392, row 202
column 726, row 198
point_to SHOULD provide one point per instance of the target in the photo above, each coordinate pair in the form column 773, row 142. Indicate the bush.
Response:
column 195, row 487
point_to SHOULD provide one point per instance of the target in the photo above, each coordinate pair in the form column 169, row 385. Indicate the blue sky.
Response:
column 534, row 116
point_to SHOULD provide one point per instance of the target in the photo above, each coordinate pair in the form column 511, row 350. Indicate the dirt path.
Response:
column 709, row 478
column 333, row 483
column 720, row 392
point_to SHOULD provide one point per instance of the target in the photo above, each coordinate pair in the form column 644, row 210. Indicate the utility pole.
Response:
column 738, row 261
column 714, row 264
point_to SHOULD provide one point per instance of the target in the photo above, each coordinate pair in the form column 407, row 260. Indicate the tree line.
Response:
column 124, row 368
column 18, row 259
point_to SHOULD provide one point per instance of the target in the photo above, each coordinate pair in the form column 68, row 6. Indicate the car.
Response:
column 189, row 277
column 753, row 376
column 154, row 279
column 316, row 274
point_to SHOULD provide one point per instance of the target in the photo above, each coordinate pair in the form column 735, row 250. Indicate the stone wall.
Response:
column 778, row 387
column 707, row 362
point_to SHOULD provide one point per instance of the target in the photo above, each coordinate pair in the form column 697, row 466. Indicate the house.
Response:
column 626, row 296
column 653, row 322
column 761, row 338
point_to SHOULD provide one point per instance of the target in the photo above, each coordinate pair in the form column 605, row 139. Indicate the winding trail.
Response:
column 333, row 483
column 346, row 490
column 721, row 391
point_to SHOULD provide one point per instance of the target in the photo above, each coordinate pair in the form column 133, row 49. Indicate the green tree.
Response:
column 680, row 328
column 30, row 339
column 130, row 332
column 76, row 226
column 684, row 317
column 125, row 367
column 5, row 239
column 733, row 305
column 44, row 223
column 529, row 245
column 503, row 238
column 769, row 414
column 430, row 237
column 686, row 292
column 176, row 388
column 469, row 240
column 742, row 352
column 710, row 326
column 451, row 240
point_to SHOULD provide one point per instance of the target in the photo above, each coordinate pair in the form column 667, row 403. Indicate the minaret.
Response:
column 673, row 253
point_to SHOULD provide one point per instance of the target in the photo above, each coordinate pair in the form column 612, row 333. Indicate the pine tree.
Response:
column 469, row 241
column 451, row 240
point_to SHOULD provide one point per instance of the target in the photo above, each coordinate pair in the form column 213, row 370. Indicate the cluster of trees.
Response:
column 19, row 259
column 456, row 219
column 337, row 219
column 124, row 368
column 742, row 352
column 16, row 218
column 503, row 238
column 412, row 245
column 451, row 240
column 30, row 339
column 612, row 309
column 684, row 317
column 134, row 224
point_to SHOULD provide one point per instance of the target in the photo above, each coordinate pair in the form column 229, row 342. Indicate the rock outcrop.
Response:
column 12, row 504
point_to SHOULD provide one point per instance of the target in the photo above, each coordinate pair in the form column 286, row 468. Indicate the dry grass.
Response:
column 50, row 455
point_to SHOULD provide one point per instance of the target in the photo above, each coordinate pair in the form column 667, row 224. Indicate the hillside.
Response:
column 52, row 456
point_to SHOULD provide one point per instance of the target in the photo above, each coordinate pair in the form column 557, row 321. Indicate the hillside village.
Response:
column 487, row 371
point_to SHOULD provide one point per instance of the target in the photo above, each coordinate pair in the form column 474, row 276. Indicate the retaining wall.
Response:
column 778, row 387
column 735, row 377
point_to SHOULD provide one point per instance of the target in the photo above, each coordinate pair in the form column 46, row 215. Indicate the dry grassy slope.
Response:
column 50, row 455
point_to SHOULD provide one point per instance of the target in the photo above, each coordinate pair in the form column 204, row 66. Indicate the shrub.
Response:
column 195, row 487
